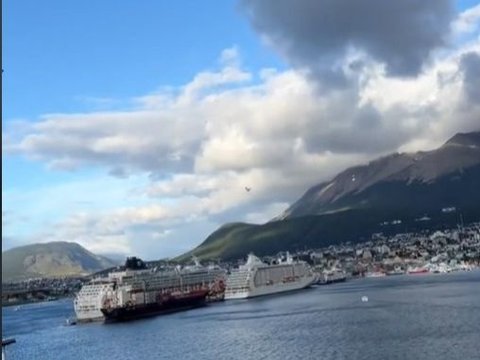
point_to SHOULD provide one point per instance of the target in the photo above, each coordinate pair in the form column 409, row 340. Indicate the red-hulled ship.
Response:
column 141, row 292
column 164, row 304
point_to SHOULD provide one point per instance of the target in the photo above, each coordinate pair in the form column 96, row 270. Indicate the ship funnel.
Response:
column 134, row 263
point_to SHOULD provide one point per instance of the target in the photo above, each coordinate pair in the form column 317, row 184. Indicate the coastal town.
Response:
column 435, row 252
column 446, row 251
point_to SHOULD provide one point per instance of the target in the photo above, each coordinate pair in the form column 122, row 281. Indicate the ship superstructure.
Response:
column 88, row 301
column 256, row 278
column 141, row 291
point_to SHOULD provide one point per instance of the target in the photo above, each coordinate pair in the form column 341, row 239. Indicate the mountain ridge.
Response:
column 355, row 203
column 458, row 153
column 59, row 258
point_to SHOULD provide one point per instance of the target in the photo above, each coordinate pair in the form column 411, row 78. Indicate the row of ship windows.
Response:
column 94, row 289
column 163, row 280
column 87, row 293
column 160, row 284
column 188, row 277
column 237, row 279
column 241, row 277
column 236, row 289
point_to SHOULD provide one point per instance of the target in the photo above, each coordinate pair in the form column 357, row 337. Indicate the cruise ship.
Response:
column 256, row 278
column 137, row 291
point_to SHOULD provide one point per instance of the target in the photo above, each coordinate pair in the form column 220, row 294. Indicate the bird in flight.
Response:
column 247, row 189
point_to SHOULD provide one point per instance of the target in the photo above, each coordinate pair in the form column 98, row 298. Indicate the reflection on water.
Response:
column 406, row 317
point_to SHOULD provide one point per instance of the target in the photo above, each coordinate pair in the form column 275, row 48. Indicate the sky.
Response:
column 133, row 128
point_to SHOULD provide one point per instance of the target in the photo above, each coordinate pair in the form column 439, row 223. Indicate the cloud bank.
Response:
column 315, row 34
column 383, row 89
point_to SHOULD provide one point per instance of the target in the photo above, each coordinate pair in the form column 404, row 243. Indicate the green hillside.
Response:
column 316, row 231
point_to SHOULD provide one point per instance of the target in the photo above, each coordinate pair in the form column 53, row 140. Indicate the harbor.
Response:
column 330, row 322
column 308, row 289
column 252, row 180
column 136, row 290
column 436, row 252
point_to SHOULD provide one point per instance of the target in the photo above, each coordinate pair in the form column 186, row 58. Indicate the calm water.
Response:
column 406, row 317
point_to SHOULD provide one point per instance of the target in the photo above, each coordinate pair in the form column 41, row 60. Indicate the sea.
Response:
column 429, row 316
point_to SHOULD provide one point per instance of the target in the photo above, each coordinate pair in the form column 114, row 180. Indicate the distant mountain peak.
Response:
column 59, row 258
column 471, row 139
column 460, row 152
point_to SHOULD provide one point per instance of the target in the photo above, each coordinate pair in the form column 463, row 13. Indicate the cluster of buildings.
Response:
column 436, row 251
column 39, row 289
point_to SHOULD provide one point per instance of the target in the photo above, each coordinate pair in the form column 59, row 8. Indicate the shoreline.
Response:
column 34, row 301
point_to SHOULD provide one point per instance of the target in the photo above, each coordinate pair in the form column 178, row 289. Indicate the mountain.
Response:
column 395, row 193
column 419, row 182
column 50, row 259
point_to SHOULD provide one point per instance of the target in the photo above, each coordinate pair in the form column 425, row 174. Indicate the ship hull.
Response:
column 89, row 316
column 90, row 319
column 173, row 304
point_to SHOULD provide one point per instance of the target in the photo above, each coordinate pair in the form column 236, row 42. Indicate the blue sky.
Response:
column 57, row 53
column 133, row 127
column 64, row 57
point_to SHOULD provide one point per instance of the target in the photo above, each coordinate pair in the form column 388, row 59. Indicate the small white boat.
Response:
column 70, row 321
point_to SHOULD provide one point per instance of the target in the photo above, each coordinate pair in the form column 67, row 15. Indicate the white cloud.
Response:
column 272, row 124
column 230, row 57
column 467, row 21
column 150, row 231
column 201, row 144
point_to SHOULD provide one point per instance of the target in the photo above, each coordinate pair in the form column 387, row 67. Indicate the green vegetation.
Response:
column 313, row 232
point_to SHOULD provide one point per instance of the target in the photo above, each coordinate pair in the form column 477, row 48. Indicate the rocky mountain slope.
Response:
column 379, row 183
column 50, row 259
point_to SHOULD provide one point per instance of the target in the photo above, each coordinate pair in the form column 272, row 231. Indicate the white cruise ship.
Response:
column 89, row 300
column 257, row 278
column 137, row 283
